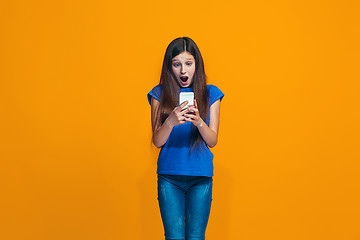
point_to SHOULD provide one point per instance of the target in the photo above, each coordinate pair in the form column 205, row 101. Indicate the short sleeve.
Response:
column 155, row 93
column 215, row 94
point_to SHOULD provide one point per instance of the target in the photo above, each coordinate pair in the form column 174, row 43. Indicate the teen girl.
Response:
column 185, row 163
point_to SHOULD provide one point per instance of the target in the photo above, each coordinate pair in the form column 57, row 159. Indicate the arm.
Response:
column 162, row 133
column 208, row 133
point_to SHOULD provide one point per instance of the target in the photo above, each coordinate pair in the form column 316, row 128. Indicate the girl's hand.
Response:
column 194, row 116
column 177, row 117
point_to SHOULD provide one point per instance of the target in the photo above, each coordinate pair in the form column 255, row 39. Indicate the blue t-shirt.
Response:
column 175, row 157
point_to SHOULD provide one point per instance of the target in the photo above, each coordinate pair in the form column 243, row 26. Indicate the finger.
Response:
column 194, row 110
column 195, row 103
column 190, row 120
column 183, row 104
column 180, row 112
column 185, row 110
column 180, row 116
column 180, row 107
column 190, row 116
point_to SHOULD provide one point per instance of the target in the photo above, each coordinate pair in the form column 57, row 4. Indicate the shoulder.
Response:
column 214, row 93
column 157, row 87
column 155, row 93
column 212, row 89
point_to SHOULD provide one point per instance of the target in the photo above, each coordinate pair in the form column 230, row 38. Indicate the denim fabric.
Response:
column 185, row 203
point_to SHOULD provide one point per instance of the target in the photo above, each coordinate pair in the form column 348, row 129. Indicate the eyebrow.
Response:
column 175, row 59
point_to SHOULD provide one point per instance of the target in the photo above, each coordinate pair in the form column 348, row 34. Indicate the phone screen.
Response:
column 189, row 96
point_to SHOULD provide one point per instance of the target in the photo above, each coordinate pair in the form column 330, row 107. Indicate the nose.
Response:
column 183, row 69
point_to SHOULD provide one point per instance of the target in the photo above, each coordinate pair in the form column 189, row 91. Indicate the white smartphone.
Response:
column 189, row 96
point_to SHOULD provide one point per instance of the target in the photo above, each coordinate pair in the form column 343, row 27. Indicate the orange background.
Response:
column 75, row 143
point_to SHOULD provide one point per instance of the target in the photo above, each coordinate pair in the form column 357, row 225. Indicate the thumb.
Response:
column 183, row 104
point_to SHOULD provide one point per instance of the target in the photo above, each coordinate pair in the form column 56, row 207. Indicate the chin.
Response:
column 184, row 85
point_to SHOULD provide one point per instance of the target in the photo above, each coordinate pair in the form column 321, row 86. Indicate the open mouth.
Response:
column 184, row 79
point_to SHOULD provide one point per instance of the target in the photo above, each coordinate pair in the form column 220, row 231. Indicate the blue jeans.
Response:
column 185, row 203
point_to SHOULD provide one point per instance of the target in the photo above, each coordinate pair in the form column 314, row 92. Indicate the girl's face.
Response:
column 183, row 67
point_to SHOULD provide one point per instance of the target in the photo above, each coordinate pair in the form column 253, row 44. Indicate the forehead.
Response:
column 184, row 56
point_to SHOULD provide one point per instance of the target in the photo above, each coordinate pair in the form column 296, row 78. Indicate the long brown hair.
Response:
column 170, row 87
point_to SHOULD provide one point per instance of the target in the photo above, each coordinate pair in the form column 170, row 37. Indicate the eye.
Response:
column 189, row 63
column 176, row 64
